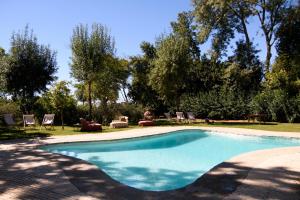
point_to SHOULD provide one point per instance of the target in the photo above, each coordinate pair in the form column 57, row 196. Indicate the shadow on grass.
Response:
column 13, row 133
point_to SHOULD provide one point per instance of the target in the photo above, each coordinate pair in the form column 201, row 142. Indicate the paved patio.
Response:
column 30, row 173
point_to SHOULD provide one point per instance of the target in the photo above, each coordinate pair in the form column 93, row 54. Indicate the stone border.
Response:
column 223, row 180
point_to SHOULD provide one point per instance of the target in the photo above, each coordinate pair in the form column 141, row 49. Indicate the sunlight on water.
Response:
column 168, row 161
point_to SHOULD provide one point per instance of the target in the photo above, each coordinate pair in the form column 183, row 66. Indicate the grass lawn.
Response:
column 6, row 133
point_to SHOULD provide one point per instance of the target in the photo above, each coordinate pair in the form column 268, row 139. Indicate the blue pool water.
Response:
column 166, row 161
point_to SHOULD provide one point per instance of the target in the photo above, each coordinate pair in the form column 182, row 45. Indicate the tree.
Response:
column 168, row 76
column 221, row 18
column 89, row 52
column 244, row 71
column 183, row 28
column 31, row 68
column 109, row 82
column 60, row 98
column 4, row 66
column 270, row 14
column 140, row 91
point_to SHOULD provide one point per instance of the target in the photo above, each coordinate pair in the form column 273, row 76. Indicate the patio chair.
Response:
column 89, row 125
column 121, row 123
column 9, row 120
column 191, row 117
column 28, row 120
column 168, row 116
column 48, row 120
column 180, row 116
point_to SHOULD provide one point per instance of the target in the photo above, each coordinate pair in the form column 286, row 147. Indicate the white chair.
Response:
column 180, row 116
column 121, row 123
column 28, row 120
column 191, row 117
column 48, row 120
column 168, row 116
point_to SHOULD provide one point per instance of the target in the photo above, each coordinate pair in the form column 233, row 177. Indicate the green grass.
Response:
column 14, row 133
column 284, row 127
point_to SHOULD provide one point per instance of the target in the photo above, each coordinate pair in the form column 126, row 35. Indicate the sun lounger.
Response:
column 48, row 120
column 28, row 120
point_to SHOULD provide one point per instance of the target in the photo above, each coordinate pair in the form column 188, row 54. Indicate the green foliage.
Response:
column 10, row 107
column 278, row 105
column 216, row 104
column 31, row 68
column 139, row 90
column 133, row 111
column 221, row 19
column 4, row 66
column 169, row 73
column 90, row 54
column 58, row 101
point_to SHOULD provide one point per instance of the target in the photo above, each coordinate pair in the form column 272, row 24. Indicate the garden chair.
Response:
column 180, row 116
column 9, row 120
column 28, row 120
column 121, row 123
column 48, row 120
column 191, row 117
column 168, row 116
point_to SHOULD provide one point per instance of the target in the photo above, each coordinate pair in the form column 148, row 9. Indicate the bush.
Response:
column 7, row 106
column 133, row 111
column 216, row 104
column 277, row 105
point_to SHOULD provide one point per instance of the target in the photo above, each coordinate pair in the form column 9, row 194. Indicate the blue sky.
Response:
column 130, row 22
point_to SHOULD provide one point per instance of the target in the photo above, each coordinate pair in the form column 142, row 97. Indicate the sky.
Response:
column 130, row 22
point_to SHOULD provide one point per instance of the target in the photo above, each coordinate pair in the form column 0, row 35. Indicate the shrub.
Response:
column 216, row 104
column 277, row 105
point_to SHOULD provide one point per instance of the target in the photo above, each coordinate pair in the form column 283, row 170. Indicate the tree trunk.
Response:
column 62, row 120
column 268, row 56
column 177, row 103
column 90, row 98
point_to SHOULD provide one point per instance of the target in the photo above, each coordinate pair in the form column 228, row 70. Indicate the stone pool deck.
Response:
column 30, row 173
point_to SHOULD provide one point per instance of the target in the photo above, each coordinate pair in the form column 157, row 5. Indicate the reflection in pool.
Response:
column 167, row 161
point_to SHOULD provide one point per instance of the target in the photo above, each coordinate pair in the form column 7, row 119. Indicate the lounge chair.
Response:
column 9, row 120
column 48, row 120
column 28, row 120
column 121, row 123
column 191, row 117
column 89, row 125
column 180, row 116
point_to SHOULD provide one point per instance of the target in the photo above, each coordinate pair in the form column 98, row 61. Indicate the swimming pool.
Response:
column 168, row 161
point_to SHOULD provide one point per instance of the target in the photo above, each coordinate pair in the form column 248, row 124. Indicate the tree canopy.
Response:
column 90, row 53
column 31, row 68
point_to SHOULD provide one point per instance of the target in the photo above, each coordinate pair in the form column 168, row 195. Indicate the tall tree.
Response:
column 4, row 66
column 31, row 68
column 184, row 28
column 221, row 18
column 270, row 14
column 89, row 52
column 286, row 69
column 140, row 67
column 168, row 76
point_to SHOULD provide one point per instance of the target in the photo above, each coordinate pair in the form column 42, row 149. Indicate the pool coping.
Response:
column 207, row 186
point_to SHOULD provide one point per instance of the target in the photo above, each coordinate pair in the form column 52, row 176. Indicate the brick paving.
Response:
column 29, row 173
